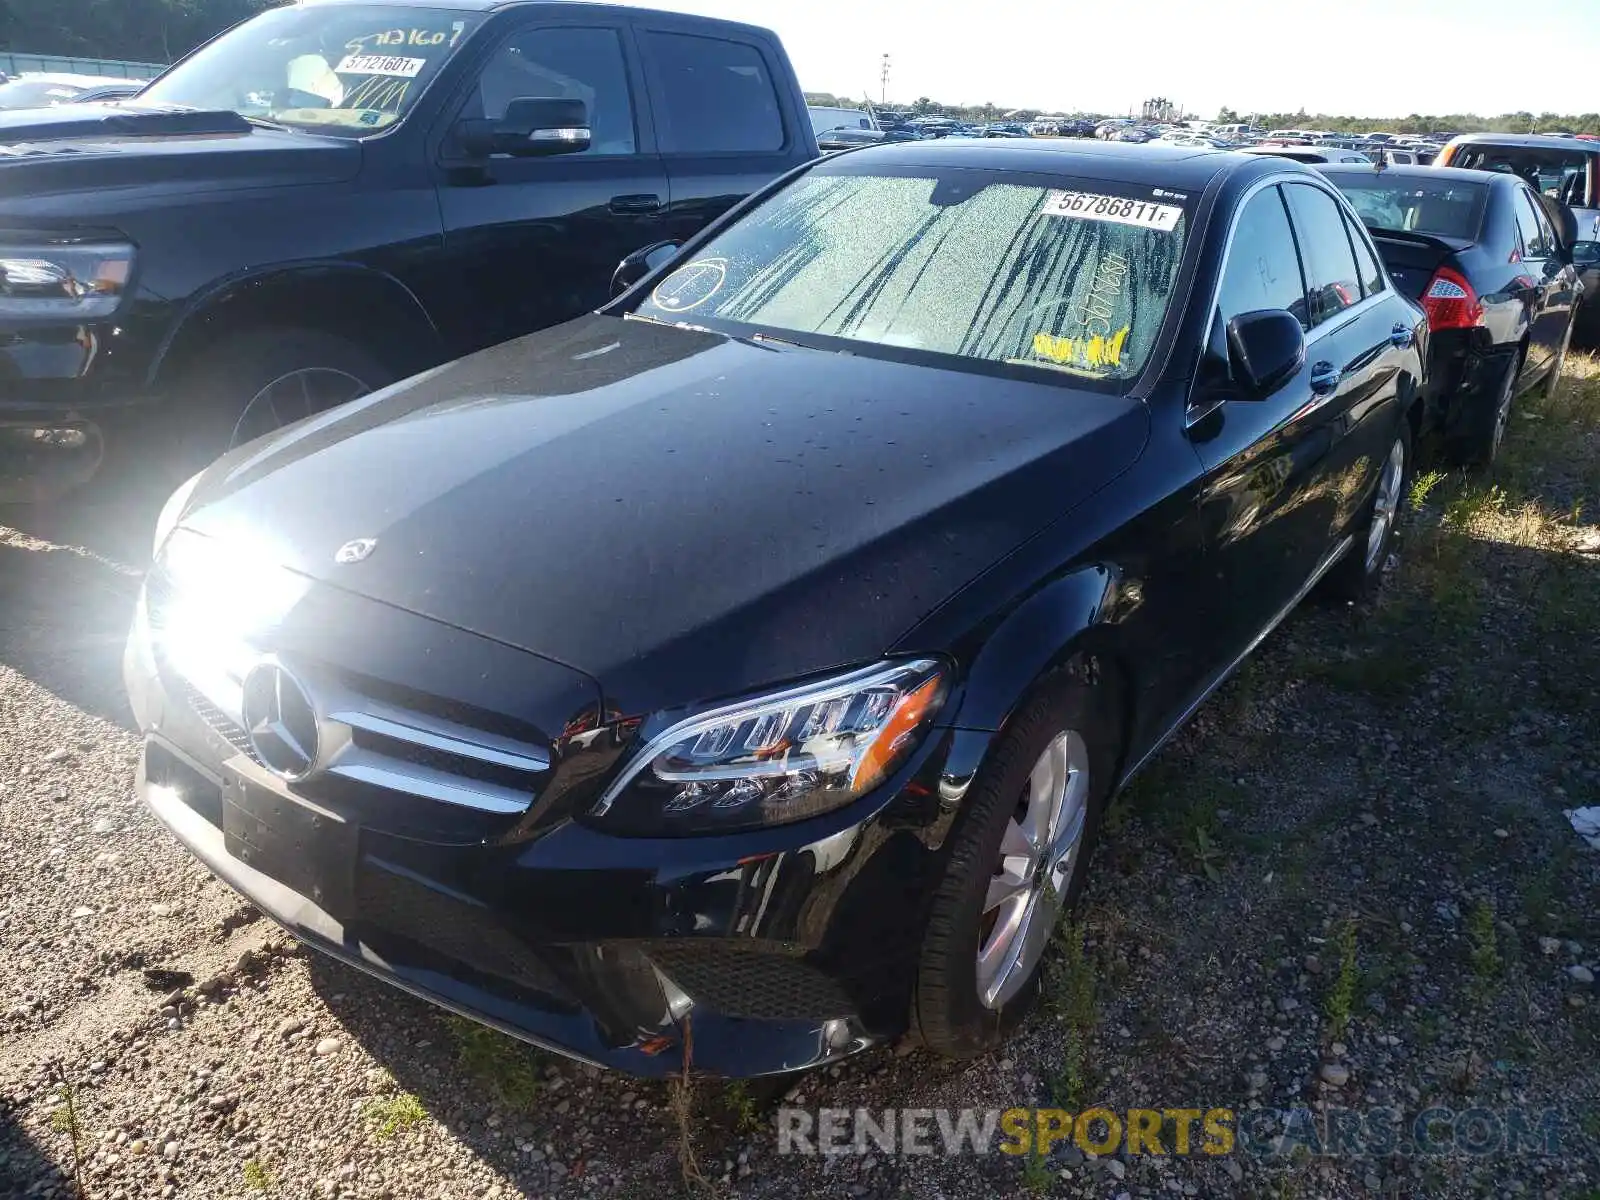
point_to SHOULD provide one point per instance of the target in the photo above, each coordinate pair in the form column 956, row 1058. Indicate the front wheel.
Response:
column 1018, row 859
column 257, row 382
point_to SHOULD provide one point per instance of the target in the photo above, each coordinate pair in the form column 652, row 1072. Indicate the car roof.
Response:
column 1537, row 141
column 1152, row 163
column 1417, row 171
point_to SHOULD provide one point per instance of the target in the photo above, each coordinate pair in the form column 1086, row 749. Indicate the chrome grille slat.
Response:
column 446, row 737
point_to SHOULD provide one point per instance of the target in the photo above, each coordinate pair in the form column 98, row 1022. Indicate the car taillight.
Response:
column 1450, row 302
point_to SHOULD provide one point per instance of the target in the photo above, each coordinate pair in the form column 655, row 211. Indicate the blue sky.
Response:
column 1363, row 57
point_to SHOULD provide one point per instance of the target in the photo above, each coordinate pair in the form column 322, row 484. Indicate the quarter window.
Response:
column 1333, row 282
column 1263, row 270
column 715, row 95
column 1372, row 277
column 565, row 64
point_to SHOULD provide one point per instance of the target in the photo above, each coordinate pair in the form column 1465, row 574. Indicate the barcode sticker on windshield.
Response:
column 1087, row 206
column 381, row 64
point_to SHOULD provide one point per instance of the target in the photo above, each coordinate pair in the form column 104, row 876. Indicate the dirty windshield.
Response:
column 1071, row 276
column 343, row 68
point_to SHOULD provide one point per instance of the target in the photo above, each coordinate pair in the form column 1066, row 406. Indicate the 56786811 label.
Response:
column 1087, row 206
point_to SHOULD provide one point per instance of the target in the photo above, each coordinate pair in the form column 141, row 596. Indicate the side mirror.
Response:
column 530, row 129
column 1585, row 254
column 639, row 264
column 1266, row 349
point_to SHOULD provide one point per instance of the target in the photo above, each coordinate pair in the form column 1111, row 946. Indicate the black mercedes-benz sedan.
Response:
column 1481, row 253
column 740, row 672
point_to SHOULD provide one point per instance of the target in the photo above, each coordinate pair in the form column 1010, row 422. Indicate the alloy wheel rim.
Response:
column 1502, row 413
column 292, row 397
column 1038, row 858
column 1387, row 503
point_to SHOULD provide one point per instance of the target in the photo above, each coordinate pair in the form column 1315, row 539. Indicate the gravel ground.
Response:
column 1350, row 883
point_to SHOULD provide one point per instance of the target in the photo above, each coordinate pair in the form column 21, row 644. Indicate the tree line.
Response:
column 137, row 30
column 1514, row 122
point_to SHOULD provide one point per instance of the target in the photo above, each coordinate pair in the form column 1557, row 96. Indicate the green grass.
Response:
column 511, row 1068
column 1037, row 1176
column 256, row 1178
column 395, row 1113
column 61, row 1120
column 1337, row 1005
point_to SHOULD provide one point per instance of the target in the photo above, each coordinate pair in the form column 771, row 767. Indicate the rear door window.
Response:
column 1333, row 282
column 715, row 96
column 1533, row 241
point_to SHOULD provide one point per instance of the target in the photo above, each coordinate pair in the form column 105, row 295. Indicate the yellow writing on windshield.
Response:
column 1094, row 351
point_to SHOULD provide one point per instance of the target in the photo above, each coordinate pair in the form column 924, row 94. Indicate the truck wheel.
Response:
column 1018, row 859
column 257, row 382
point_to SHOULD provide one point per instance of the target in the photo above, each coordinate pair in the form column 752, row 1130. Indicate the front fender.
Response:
column 1061, row 625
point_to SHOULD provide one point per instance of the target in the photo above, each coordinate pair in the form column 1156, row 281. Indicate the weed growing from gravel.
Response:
column 1341, row 996
column 394, row 1113
column 1037, row 1176
column 741, row 1106
column 1069, row 995
column 1483, row 941
column 511, row 1068
column 1422, row 484
column 65, row 1120
column 256, row 1178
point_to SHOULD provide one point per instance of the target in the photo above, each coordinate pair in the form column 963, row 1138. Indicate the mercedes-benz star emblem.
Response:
column 355, row 551
column 280, row 721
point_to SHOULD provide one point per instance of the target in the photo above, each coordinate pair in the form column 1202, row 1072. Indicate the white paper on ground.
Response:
column 1587, row 822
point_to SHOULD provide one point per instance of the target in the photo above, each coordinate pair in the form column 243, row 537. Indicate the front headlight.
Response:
column 778, row 758
column 172, row 513
column 78, row 282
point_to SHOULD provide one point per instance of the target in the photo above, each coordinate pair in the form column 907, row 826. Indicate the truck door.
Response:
column 531, row 242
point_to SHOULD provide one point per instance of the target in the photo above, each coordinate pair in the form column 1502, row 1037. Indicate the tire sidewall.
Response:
column 965, row 1026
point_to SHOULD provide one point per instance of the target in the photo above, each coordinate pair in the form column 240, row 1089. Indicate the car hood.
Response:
column 679, row 514
column 97, row 147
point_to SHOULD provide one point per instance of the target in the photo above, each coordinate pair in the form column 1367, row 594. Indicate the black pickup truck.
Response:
column 336, row 194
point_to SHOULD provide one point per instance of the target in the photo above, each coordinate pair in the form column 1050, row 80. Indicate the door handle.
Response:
column 644, row 203
column 1402, row 337
column 1325, row 377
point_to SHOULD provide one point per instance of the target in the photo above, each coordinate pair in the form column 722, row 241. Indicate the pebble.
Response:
column 1235, row 1171
column 161, row 910
column 1117, row 1167
column 1580, row 974
column 1335, row 1074
column 170, row 1150
column 1275, row 1044
column 59, row 754
column 327, row 1046
column 290, row 1025
column 1288, row 1004
column 1549, row 945
column 1502, row 833
column 174, row 1023
column 1337, row 1049
column 104, row 825
column 82, row 911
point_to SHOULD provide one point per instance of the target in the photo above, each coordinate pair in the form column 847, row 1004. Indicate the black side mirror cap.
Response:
column 639, row 264
column 1266, row 349
column 531, row 128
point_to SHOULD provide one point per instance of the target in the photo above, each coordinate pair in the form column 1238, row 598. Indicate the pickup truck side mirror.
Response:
column 1585, row 254
column 639, row 264
column 1266, row 349
column 531, row 128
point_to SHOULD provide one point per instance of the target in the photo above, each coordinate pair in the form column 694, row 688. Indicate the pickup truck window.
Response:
column 564, row 64
column 349, row 69
column 717, row 96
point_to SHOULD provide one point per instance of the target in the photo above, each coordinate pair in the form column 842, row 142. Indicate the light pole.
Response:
column 883, row 82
